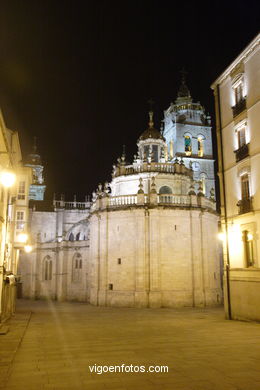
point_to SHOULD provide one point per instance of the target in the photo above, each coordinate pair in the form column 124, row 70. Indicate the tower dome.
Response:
column 151, row 143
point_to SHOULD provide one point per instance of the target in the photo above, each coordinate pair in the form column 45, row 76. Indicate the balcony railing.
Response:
column 71, row 205
column 152, row 167
column 126, row 201
column 245, row 205
column 242, row 152
column 239, row 107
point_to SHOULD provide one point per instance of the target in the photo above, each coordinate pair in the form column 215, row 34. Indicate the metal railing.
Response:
column 245, row 205
column 239, row 107
column 242, row 152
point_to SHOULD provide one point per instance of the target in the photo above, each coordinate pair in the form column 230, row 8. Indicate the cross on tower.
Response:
column 151, row 104
column 183, row 75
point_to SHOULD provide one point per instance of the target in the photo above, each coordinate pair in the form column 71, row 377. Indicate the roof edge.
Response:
column 248, row 50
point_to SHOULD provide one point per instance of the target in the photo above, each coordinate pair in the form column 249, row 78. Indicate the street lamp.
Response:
column 7, row 178
column 22, row 237
column 28, row 248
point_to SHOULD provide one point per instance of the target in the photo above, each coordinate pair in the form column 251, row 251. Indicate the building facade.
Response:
column 237, row 103
column 58, row 266
column 14, row 189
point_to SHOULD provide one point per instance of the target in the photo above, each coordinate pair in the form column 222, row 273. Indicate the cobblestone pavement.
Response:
column 54, row 347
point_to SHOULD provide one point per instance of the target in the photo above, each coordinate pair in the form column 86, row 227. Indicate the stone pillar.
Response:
column 153, row 193
column 141, row 294
column 140, row 193
column 59, row 224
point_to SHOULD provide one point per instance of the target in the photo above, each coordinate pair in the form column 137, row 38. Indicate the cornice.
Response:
column 243, row 57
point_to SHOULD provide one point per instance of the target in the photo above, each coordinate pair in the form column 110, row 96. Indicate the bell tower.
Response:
column 187, row 131
column 37, row 188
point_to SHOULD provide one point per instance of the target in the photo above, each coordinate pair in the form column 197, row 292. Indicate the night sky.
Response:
column 78, row 75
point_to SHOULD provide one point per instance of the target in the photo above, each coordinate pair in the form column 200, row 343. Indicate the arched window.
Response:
column 78, row 236
column 200, row 146
column 203, row 177
column 187, row 145
column 71, row 237
column 47, row 268
column 165, row 190
column 77, row 268
column 165, row 194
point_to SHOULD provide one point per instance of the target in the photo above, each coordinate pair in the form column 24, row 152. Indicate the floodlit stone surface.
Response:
column 237, row 103
column 202, row 350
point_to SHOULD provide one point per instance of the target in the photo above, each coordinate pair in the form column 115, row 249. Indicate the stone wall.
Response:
column 157, row 257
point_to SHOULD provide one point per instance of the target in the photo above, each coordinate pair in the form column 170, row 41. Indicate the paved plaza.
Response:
column 51, row 345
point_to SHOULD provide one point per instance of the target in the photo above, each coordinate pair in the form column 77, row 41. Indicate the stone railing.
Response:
column 124, row 201
column 174, row 199
column 152, row 167
column 61, row 204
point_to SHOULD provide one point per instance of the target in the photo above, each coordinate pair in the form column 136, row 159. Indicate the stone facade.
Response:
column 154, row 256
column 237, row 102
column 58, row 266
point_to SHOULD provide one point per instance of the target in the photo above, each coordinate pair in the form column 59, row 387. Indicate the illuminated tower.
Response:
column 187, row 132
column 38, row 187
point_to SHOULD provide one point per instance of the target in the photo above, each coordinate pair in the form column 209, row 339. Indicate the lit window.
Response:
column 76, row 268
column 241, row 136
column 20, row 220
column 203, row 182
column 238, row 90
column 248, row 248
column 245, row 191
column 187, row 143
column 47, row 268
column 21, row 190
column 200, row 147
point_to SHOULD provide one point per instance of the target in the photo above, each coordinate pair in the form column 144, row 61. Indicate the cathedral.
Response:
column 148, row 238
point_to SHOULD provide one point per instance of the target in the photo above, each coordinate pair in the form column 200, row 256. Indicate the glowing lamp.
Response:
column 22, row 237
column 7, row 178
column 249, row 237
column 27, row 248
column 221, row 236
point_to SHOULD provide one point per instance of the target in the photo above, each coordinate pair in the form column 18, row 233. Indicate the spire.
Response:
column 34, row 158
column 151, row 103
column 151, row 124
column 34, row 148
column 183, row 90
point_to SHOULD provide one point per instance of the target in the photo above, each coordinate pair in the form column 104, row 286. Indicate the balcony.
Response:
column 245, row 205
column 242, row 152
column 239, row 107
